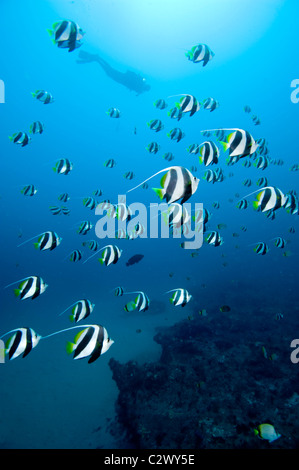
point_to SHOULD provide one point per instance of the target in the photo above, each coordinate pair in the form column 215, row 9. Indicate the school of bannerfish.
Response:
column 178, row 184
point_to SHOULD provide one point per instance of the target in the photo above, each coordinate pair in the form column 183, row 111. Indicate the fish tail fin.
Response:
column 130, row 306
column 17, row 292
column 70, row 347
column 159, row 192
column 36, row 245
column 225, row 145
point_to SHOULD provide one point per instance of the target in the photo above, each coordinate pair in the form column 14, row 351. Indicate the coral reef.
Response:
column 212, row 386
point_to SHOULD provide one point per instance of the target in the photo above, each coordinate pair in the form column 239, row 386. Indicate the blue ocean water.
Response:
column 48, row 400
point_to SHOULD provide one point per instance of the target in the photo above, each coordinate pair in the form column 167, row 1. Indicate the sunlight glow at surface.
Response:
column 153, row 35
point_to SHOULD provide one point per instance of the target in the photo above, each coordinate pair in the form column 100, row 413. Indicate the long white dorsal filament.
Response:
column 68, row 329
column 161, row 171
column 70, row 306
column 20, row 280
column 101, row 249
column 31, row 239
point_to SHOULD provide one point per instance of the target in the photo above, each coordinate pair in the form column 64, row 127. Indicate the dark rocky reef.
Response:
column 212, row 386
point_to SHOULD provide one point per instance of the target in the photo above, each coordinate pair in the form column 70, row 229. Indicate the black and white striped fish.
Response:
column 82, row 309
column 129, row 175
column 118, row 291
column 113, row 113
column 20, row 138
column 29, row 190
column 98, row 192
column 261, row 248
column 210, row 104
column 188, row 104
column 153, row 147
column 180, row 297
column 160, row 104
column 48, row 241
column 66, row 35
column 75, row 256
column 122, row 212
column 261, row 163
column 202, row 216
column 262, row 182
column 210, row 176
column 36, row 128
column 214, row 239
column 90, row 202
column 294, row 167
column 240, row 143
column 63, row 167
column 84, row 227
column 200, row 53
column 219, row 133
column 64, row 197
column 168, row 156
column 121, row 233
column 21, row 342
column 193, row 149
column 30, row 287
column 55, row 210
column 255, row 120
column 177, row 183
column 247, row 182
column 176, row 134
column 65, row 211
column 243, row 204
column 141, row 303
column 92, row 245
column 110, row 163
column 176, row 215
column 280, row 242
column 155, row 125
column 247, row 164
column 43, row 96
column 219, row 175
column 110, row 254
column 90, row 342
column 209, row 153
column 292, row 204
column 175, row 113
column 269, row 198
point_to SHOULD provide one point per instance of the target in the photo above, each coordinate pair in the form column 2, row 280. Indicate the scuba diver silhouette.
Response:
column 129, row 79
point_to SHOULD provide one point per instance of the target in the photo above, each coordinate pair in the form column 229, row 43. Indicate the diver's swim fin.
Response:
column 86, row 57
